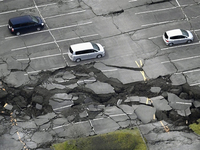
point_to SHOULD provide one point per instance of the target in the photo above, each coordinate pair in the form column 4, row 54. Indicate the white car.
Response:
column 83, row 51
column 177, row 36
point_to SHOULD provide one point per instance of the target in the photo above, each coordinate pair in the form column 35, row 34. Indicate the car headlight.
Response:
column 42, row 24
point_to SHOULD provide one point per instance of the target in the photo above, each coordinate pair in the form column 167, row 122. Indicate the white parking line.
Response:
column 181, row 59
column 74, row 25
column 62, row 107
column 151, row 11
column 32, row 72
column 157, row 23
column 20, row 48
column 191, row 71
column 132, row 1
column 71, row 13
column 184, row 103
column 46, row 56
column 41, row 44
column 179, row 46
column 6, row 12
column 155, row 37
column 11, row 11
column 194, row 84
column 3, row 25
column 81, row 24
column 109, row 70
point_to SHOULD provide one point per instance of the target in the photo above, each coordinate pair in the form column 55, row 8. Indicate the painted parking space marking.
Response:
column 74, row 25
column 155, row 37
column 132, row 1
column 157, row 10
column 181, row 59
column 184, row 103
column 60, row 15
column 166, row 128
column 12, row 11
column 62, row 107
column 191, row 71
column 140, row 64
column 59, row 28
column 149, row 100
column 157, row 23
column 58, row 41
column 196, row 43
column 31, row 46
column 3, row 25
column 34, row 58
column 194, row 84
column 36, row 71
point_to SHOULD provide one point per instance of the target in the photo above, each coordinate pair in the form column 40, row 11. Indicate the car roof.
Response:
column 82, row 46
column 174, row 32
column 21, row 19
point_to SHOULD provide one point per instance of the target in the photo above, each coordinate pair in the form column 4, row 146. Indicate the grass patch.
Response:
column 195, row 127
column 127, row 139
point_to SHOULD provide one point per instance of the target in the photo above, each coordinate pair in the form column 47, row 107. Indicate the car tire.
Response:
column 78, row 60
column 99, row 56
column 18, row 33
column 189, row 41
column 38, row 29
column 170, row 44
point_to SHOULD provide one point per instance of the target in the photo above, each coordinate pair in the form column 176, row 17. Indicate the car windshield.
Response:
column 95, row 46
column 184, row 32
column 34, row 19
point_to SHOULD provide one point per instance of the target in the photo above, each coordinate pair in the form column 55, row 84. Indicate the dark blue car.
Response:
column 24, row 24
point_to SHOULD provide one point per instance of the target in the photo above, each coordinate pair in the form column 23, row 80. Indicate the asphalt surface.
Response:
column 131, row 32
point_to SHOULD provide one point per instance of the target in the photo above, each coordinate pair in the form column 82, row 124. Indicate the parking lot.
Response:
column 127, row 31
column 131, row 33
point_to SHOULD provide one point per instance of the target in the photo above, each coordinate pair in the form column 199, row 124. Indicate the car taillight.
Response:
column 12, row 30
column 167, row 41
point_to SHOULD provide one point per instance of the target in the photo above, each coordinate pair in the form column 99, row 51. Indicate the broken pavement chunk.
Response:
column 8, row 106
column 178, row 104
column 100, row 87
column 145, row 113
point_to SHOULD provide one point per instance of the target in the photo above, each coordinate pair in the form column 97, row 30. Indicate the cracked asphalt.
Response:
column 45, row 98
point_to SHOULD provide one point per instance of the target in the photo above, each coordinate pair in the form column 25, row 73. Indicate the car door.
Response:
column 32, row 26
column 174, row 39
column 92, row 53
column 181, row 39
column 83, row 55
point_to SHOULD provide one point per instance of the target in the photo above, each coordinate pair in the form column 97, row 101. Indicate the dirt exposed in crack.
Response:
column 25, row 98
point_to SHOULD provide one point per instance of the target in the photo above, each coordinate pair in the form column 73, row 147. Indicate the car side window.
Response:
column 31, row 23
column 181, row 37
column 81, row 52
column 85, row 52
column 175, row 37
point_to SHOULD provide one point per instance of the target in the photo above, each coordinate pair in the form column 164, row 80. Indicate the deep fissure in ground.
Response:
column 24, row 98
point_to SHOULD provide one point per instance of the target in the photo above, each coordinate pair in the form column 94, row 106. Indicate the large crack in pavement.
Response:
column 51, row 103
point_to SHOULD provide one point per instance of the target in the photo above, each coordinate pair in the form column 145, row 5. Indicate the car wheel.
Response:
column 38, row 28
column 170, row 44
column 18, row 33
column 99, row 56
column 78, row 60
column 189, row 41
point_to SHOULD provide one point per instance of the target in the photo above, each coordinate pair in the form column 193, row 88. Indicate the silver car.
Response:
column 83, row 51
column 177, row 36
